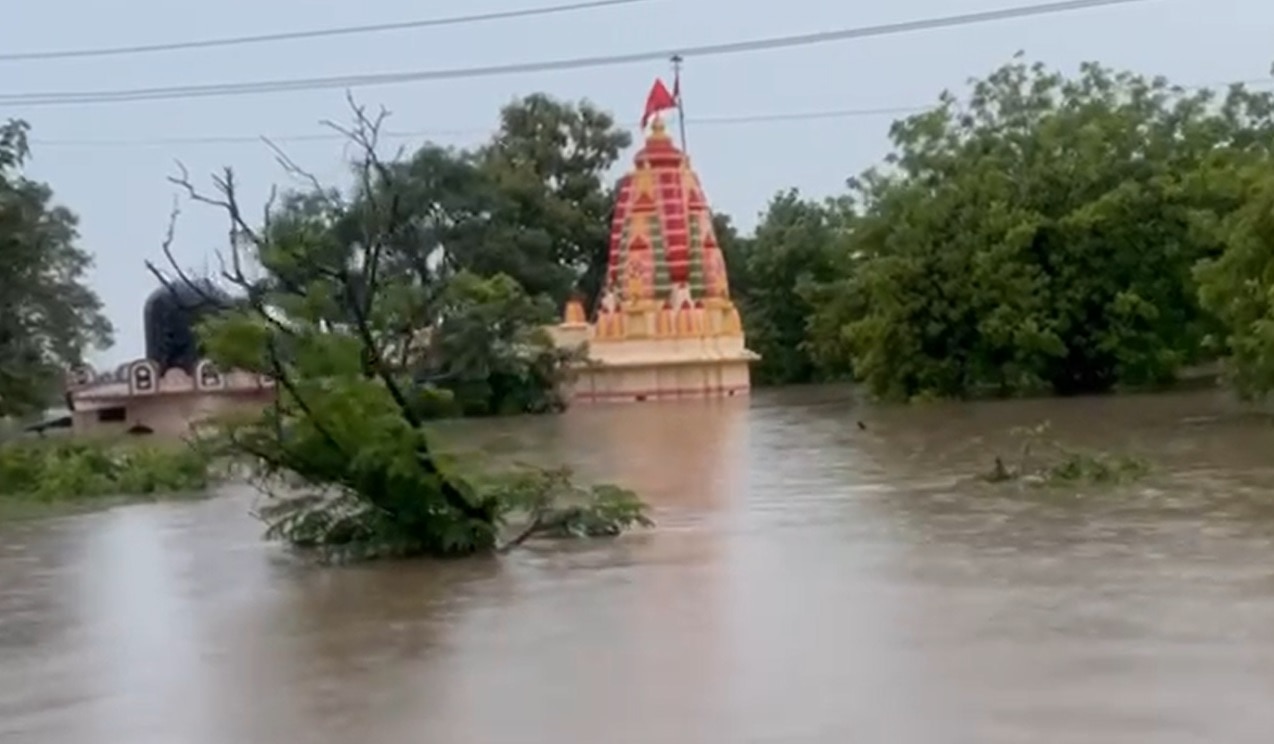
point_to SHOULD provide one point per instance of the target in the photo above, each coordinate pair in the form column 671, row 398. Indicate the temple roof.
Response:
column 662, row 245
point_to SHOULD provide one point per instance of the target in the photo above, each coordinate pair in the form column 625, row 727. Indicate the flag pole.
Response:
column 681, row 110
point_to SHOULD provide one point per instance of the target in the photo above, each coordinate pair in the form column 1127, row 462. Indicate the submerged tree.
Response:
column 362, row 320
column 490, row 351
column 49, row 317
column 1040, row 235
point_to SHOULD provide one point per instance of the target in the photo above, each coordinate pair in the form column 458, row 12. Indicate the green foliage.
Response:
column 364, row 473
column 1238, row 285
column 489, row 350
column 370, row 323
column 1044, row 462
column 485, row 351
column 531, row 503
column 792, row 255
column 345, row 430
column 549, row 162
column 1040, row 235
column 734, row 249
column 48, row 315
column 550, row 504
column 59, row 470
column 532, row 203
column 1101, row 468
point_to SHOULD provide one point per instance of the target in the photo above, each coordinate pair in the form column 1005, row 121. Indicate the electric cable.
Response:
column 724, row 120
column 460, row 20
column 708, row 50
column 425, row 134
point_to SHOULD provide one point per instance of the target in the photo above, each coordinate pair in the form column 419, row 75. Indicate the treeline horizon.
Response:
column 1039, row 232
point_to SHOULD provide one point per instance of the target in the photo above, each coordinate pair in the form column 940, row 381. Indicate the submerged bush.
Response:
column 1042, row 461
column 392, row 498
column 64, row 469
column 340, row 525
column 1095, row 467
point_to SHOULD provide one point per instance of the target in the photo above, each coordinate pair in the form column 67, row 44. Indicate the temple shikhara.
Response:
column 665, row 326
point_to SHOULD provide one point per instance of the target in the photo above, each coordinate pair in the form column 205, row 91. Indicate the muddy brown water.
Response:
column 809, row 581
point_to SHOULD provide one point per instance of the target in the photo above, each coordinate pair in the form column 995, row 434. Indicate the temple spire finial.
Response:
column 676, row 94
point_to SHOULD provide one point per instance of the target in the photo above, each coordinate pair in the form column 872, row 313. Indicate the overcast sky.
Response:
column 90, row 156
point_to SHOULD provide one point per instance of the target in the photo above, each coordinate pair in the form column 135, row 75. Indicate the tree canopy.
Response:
column 1040, row 235
column 532, row 203
column 49, row 316
column 1238, row 284
column 370, row 328
column 775, row 272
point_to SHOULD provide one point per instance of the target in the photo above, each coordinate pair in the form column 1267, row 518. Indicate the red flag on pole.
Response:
column 658, row 100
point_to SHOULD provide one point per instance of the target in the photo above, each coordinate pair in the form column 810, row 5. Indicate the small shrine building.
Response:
column 173, row 386
column 665, row 326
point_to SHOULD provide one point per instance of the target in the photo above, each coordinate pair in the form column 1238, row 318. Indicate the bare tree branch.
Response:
column 381, row 224
column 291, row 167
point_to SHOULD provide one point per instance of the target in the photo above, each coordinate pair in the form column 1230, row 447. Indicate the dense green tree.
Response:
column 1040, row 235
column 489, row 349
column 792, row 251
column 363, row 326
column 550, row 160
column 49, row 317
column 1238, row 285
column 533, row 202
column 734, row 249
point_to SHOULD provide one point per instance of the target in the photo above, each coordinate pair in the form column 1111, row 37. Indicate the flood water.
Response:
column 809, row 581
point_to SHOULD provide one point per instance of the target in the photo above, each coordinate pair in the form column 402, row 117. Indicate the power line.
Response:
column 727, row 120
column 698, row 121
column 710, row 50
column 460, row 20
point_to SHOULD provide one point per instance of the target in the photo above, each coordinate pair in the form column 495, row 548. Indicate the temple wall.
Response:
column 668, row 350
column 165, row 415
column 635, row 384
column 635, row 368
column 568, row 335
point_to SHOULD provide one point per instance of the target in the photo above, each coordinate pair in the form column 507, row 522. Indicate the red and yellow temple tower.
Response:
column 665, row 326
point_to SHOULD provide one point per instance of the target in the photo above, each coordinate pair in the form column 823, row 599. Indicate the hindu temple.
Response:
column 172, row 386
column 665, row 326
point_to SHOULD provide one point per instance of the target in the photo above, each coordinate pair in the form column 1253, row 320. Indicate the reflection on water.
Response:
column 809, row 581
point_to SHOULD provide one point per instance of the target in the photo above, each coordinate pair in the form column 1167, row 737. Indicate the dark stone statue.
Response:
column 171, row 315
